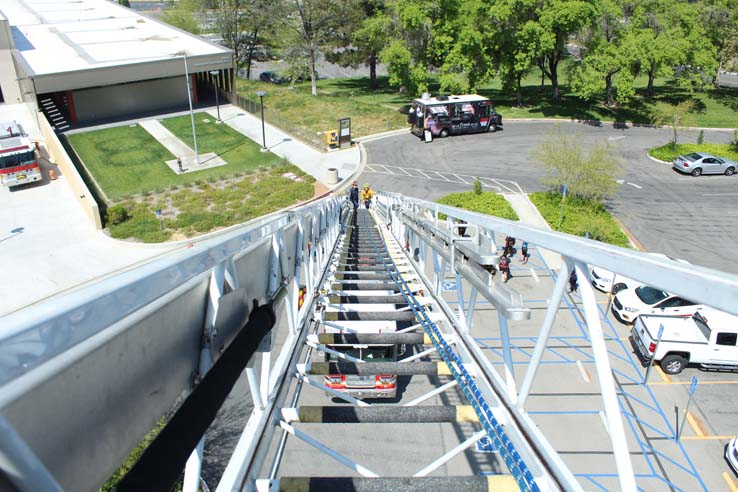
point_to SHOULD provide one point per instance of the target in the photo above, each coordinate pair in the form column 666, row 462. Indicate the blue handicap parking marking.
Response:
column 449, row 285
column 693, row 386
column 485, row 445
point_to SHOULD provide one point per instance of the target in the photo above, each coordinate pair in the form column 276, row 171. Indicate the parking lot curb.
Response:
column 630, row 235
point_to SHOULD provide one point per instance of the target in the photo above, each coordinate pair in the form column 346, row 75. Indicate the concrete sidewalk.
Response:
column 179, row 149
column 529, row 215
column 301, row 155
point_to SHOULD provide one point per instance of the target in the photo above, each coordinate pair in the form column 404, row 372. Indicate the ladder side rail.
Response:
column 63, row 341
column 252, row 449
column 494, row 389
column 711, row 287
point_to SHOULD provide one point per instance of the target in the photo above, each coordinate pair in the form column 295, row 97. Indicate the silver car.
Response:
column 698, row 163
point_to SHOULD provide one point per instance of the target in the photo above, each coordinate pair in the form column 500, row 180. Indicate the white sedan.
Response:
column 629, row 303
column 731, row 454
column 607, row 281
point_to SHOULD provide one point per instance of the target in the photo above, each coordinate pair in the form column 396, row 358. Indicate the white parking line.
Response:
column 460, row 178
column 386, row 168
column 616, row 138
column 404, row 170
column 371, row 169
column 421, row 172
column 720, row 194
column 635, row 186
column 441, row 175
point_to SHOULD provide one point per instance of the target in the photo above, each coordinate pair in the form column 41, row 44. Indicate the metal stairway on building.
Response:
column 270, row 300
column 56, row 115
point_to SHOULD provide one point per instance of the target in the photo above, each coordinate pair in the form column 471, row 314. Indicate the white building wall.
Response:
column 8, row 78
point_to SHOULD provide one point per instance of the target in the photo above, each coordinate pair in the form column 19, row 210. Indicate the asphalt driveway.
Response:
column 691, row 218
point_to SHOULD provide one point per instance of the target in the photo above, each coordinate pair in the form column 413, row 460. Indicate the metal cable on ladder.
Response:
column 493, row 428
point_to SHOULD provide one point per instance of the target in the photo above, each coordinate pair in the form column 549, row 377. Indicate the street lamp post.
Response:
column 216, row 73
column 192, row 114
column 261, row 95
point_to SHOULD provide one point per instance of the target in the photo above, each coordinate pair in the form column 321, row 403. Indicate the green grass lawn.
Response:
column 668, row 152
column 370, row 111
column 382, row 109
column 127, row 160
column 203, row 207
column 486, row 203
column 580, row 217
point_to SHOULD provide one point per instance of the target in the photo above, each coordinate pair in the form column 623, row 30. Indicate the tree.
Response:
column 183, row 19
column 560, row 19
column 521, row 41
column 676, row 116
column 611, row 54
column 314, row 26
column 587, row 173
column 362, row 37
column 124, row 3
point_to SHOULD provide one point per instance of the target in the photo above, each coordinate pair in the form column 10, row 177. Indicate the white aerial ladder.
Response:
column 85, row 375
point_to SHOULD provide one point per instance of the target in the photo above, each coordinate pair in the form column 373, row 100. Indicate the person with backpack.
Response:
column 573, row 283
column 524, row 252
column 366, row 195
column 505, row 267
column 509, row 243
column 354, row 195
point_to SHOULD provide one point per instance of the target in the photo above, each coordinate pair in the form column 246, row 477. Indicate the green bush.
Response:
column 486, row 203
column 116, row 214
column 580, row 217
column 669, row 152
column 477, row 186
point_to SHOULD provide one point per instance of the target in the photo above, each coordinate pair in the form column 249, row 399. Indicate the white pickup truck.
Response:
column 708, row 338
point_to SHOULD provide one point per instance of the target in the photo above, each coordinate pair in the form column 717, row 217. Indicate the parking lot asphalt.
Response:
column 682, row 216
column 566, row 404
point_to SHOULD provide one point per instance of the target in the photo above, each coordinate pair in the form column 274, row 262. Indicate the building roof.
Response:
column 76, row 35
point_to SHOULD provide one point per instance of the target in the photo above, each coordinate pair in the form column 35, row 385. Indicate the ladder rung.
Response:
column 371, row 368
column 353, row 285
column 363, row 276
column 373, row 338
column 349, row 414
column 369, row 316
column 397, row 299
column 495, row 483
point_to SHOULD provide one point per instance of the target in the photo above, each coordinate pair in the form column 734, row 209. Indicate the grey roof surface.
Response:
column 74, row 35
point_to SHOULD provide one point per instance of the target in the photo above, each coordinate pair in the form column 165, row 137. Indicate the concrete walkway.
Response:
column 529, row 215
column 301, row 155
column 179, row 149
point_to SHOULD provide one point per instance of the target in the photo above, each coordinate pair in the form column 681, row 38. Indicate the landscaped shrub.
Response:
column 477, row 186
column 580, row 217
column 486, row 203
column 116, row 214
column 669, row 152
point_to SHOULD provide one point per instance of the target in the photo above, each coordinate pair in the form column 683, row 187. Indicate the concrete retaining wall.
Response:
column 59, row 156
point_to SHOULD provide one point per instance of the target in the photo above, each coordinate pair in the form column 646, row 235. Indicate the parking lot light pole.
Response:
column 261, row 95
column 216, row 73
column 192, row 114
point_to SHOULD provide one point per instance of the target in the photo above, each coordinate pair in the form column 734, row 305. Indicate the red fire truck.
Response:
column 445, row 115
column 18, row 161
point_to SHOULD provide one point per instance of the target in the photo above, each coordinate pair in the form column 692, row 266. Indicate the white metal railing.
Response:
column 69, row 365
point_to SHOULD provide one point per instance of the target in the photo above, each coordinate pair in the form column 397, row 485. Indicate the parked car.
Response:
column 272, row 78
column 630, row 303
column 698, row 163
column 731, row 454
column 707, row 339
column 607, row 281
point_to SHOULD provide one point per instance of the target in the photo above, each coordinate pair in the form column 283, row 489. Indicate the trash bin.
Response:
column 331, row 177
